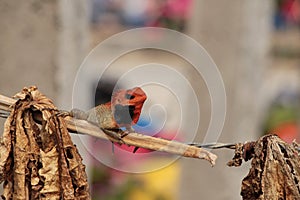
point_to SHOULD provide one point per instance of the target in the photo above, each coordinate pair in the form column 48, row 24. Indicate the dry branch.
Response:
column 132, row 139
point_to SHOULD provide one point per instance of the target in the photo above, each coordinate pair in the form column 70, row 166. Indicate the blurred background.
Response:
column 255, row 44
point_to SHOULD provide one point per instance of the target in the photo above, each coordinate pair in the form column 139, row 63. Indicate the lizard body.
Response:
column 123, row 110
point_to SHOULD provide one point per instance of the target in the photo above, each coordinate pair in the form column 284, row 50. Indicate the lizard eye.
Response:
column 129, row 96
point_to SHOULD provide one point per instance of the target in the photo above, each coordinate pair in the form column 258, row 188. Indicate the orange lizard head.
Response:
column 127, row 106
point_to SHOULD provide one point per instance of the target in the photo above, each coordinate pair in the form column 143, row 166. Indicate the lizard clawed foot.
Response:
column 118, row 135
column 128, row 130
column 115, row 134
column 124, row 134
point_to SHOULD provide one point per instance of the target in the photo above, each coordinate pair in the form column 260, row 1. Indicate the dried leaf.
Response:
column 39, row 162
column 275, row 171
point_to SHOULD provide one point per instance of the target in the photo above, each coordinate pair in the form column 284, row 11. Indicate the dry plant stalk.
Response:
column 275, row 169
column 132, row 139
column 143, row 141
column 39, row 161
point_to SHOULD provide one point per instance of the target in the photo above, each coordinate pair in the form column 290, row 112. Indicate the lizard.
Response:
column 123, row 110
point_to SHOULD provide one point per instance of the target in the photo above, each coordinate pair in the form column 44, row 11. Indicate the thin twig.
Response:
column 215, row 145
column 132, row 139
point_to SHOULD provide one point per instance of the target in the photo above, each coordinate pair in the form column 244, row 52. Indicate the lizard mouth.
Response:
column 124, row 114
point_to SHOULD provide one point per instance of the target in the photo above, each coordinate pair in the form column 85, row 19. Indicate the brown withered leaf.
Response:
column 274, row 172
column 39, row 161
